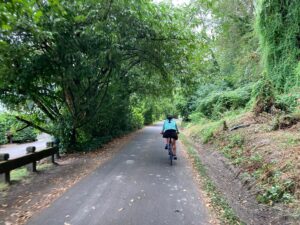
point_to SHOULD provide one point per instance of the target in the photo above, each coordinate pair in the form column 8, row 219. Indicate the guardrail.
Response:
column 6, row 165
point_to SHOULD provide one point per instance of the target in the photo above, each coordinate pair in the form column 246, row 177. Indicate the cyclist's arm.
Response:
column 163, row 128
column 176, row 128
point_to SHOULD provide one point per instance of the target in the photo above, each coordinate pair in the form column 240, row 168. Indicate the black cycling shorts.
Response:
column 170, row 134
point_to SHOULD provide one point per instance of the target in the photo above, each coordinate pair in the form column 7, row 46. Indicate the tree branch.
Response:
column 43, row 107
column 31, row 124
column 108, row 10
column 22, row 128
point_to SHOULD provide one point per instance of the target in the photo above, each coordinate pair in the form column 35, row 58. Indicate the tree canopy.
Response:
column 73, row 64
column 87, row 69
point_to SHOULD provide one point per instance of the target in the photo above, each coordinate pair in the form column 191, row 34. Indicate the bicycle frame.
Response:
column 170, row 150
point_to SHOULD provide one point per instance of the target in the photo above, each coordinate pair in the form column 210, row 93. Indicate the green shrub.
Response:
column 207, row 130
column 217, row 103
column 4, row 127
column 288, row 102
column 9, row 123
column 277, row 25
column 26, row 135
column 137, row 119
column 207, row 135
column 264, row 95
column 93, row 144
column 277, row 193
column 3, row 139
column 148, row 116
column 197, row 117
column 236, row 141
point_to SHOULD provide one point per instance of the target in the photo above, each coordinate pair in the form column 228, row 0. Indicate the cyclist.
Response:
column 170, row 130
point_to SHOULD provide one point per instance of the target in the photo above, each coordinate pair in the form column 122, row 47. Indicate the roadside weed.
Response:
column 224, row 211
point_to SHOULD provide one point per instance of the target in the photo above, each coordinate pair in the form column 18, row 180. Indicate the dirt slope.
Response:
column 257, row 169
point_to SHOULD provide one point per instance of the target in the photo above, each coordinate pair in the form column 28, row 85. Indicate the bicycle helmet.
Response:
column 169, row 117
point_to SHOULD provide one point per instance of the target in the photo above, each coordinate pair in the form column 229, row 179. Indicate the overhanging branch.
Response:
column 31, row 124
column 22, row 128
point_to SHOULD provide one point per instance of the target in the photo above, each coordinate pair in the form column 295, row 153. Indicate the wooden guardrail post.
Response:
column 6, row 175
column 31, row 167
column 52, row 144
column 56, row 143
column 8, row 165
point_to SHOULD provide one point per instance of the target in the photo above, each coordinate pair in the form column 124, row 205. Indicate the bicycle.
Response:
column 170, row 151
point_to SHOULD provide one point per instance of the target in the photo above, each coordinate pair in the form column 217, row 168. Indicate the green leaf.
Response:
column 37, row 16
column 80, row 18
column 6, row 27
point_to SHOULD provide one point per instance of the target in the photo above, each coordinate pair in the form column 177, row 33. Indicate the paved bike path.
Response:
column 136, row 187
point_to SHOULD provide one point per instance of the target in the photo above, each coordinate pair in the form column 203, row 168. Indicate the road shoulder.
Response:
column 227, row 193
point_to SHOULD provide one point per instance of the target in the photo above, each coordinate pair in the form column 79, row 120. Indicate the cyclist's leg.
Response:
column 165, row 141
column 174, row 146
column 174, row 138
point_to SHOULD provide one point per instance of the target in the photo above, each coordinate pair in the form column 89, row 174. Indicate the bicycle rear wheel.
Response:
column 170, row 154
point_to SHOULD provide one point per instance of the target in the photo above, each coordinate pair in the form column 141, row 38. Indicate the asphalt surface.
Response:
column 137, row 187
column 17, row 150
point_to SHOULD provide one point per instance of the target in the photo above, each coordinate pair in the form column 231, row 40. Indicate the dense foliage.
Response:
column 247, row 57
column 278, row 29
column 93, row 70
column 82, row 69
column 20, row 132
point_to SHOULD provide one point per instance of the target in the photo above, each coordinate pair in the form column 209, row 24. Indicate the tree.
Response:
column 61, row 58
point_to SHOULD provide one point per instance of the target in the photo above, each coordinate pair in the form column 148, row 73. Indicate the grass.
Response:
column 205, row 129
column 15, row 175
column 236, row 155
column 226, row 214
column 22, row 174
column 289, row 140
column 44, row 166
column 19, row 174
column 3, row 186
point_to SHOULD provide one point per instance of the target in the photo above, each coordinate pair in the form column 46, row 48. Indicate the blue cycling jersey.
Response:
column 169, row 125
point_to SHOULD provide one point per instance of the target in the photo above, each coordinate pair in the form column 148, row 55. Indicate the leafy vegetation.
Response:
column 115, row 66
column 278, row 31
column 217, row 103
column 246, row 73
column 20, row 132
column 248, row 58
column 82, row 69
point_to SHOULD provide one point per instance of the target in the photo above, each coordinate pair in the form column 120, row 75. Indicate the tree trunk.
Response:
column 73, row 137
